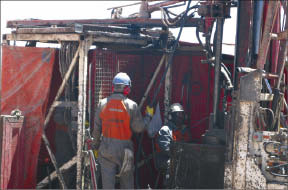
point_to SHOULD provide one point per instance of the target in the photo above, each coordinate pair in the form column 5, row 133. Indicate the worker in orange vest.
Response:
column 115, row 119
column 175, row 130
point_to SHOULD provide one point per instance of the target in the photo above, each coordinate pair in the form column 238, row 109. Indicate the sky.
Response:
column 62, row 10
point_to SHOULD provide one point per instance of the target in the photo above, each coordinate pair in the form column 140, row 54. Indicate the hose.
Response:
column 224, row 70
column 165, row 13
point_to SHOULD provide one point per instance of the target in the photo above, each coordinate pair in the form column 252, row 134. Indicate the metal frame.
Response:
column 86, row 33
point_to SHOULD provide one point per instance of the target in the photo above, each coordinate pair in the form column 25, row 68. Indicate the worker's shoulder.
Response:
column 164, row 128
column 130, row 102
column 103, row 102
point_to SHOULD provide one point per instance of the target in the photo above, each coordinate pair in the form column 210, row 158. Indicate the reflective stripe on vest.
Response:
column 115, row 120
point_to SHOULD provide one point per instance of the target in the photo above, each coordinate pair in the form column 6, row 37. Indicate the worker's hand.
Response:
column 95, row 153
column 150, row 111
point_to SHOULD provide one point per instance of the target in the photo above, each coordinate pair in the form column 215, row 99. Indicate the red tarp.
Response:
column 26, row 78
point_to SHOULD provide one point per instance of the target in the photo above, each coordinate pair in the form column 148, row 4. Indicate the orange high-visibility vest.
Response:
column 115, row 120
column 179, row 137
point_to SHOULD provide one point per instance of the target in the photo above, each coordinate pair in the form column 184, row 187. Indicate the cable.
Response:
column 175, row 21
column 224, row 70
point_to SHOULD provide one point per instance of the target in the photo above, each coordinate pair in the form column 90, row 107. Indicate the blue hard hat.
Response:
column 122, row 78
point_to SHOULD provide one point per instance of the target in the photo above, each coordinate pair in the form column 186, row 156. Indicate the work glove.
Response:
column 150, row 111
column 95, row 153
column 128, row 162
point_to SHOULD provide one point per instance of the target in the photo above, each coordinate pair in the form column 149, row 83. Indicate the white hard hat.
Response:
column 122, row 78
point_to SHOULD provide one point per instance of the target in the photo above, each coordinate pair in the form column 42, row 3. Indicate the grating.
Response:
column 107, row 65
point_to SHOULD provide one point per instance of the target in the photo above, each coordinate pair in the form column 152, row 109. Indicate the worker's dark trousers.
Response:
column 108, row 172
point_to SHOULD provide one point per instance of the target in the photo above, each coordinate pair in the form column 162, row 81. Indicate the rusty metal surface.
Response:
column 250, row 86
column 203, row 163
column 244, row 173
column 139, row 22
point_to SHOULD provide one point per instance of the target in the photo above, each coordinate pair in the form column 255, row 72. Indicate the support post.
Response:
column 83, row 69
column 152, row 81
column 167, row 93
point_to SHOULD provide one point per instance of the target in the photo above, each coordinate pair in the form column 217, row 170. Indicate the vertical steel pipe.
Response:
column 257, row 18
column 218, row 59
column 244, row 14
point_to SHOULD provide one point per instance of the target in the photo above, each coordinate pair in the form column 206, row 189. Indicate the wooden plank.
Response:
column 119, row 35
column 63, row 169
column 91, row 27
column 103, row 39
column 283, row 35
column 140, row 22
column 280, row 36
column 74, row 37
column 77, row 28
column 47, row 30
column 152, row 81
column 43, row 37
column 65, row 104
column 53, row 160
column 82, row 81
column 266, row 97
